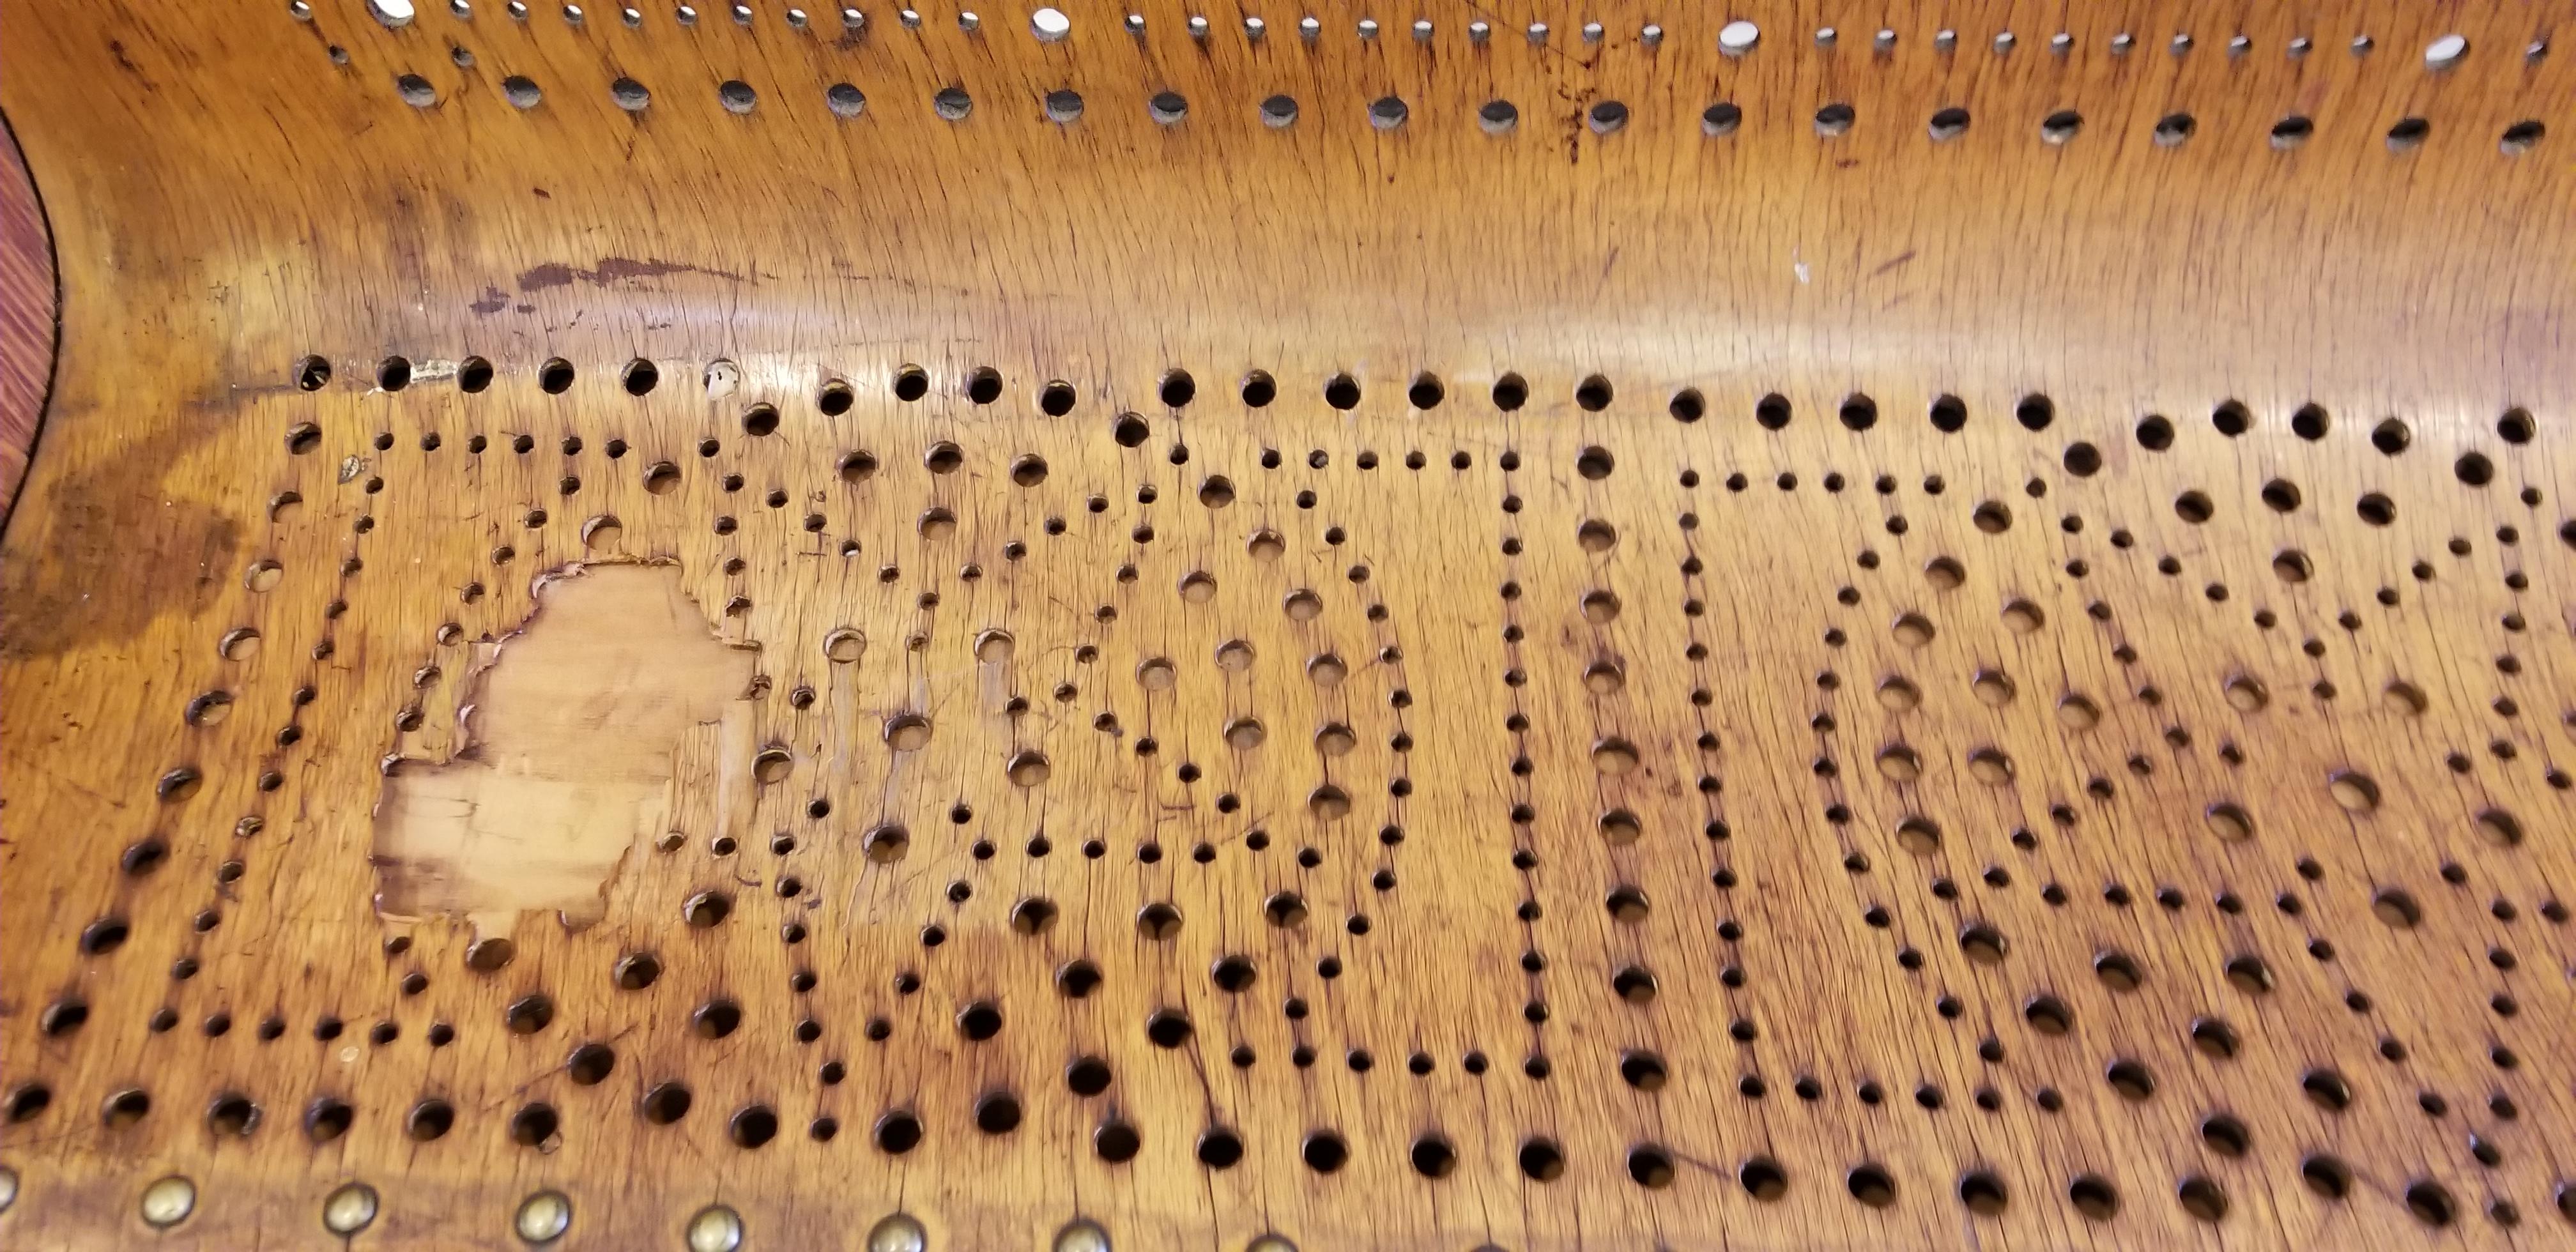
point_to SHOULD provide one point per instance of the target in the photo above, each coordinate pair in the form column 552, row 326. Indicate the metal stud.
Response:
column 716, row 1228
column 1082, row 1235
column 8, row 1188
column 168, row 1202
column 1738, row 37
column 544, row 1217
column 899, row 1232
column 350, row 1209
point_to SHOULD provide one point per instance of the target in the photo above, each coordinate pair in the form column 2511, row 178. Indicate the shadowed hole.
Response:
column 1326, row 1152
column 1650, row 1166
column 2094, row 1197
column 430, row 1119
column 997, row 1113
column 2202, row 1198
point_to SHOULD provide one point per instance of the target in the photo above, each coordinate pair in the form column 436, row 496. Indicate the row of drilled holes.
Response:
column 1736, row 37
column 2082, row 459
column 898, row 1131
column 1258, row 389
column 537, row 1124
column 1494, row 117
column 982, row 1020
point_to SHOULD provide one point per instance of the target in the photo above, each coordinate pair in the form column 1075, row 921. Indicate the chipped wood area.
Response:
column 639, row 635
column 573, row 733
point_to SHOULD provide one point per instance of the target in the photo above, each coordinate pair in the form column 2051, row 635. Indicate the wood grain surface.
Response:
column 738, row 628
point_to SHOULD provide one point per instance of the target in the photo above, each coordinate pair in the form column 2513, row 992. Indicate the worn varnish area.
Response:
column 572, row 731
column 1956, row 643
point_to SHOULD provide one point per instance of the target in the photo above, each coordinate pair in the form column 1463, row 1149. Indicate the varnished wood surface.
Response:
column 1743, row 686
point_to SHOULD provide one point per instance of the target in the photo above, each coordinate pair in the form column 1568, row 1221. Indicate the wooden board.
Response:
column 791, row 632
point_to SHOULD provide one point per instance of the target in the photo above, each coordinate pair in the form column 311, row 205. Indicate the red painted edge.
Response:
column 30, row 317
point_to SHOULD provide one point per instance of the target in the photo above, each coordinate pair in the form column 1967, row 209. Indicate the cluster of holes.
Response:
column 997, row 1114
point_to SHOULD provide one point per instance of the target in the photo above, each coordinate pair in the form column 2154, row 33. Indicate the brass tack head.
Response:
column 350, row 1209
column 168, row 1202
column 1082, row 1235
column 899, row 1232
column 544, row 1217
column 716, row 1228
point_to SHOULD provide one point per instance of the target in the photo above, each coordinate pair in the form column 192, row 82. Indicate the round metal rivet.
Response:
column 168, row 1202
column 1082, row 1235
column 715, row 1229
column 350, row 1209
column 544, row 1217
column 898, row 1233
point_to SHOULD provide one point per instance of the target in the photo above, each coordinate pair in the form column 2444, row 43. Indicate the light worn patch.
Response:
column 572, row 726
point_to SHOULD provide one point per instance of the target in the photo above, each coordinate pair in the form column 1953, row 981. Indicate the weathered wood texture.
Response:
column 1680, row 675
